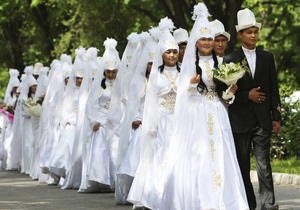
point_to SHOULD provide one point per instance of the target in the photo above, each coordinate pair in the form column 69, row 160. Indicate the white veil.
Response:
column 132, row 76
column 43, row 82
column 13, row 82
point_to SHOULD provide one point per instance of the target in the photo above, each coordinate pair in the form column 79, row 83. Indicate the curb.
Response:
column 280, row 179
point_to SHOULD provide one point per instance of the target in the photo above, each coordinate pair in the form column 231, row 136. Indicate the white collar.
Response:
column 168, row 68
column 205, row 58
column 248, row 50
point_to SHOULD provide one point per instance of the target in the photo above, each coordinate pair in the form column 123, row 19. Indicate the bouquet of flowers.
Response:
column 33, row 107
column 229, row 73
column 8, row 111
column 41, row 99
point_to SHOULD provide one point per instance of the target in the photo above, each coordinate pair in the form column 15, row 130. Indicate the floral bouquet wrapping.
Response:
column 34, row 107
column 8, row 111
column 229, row 73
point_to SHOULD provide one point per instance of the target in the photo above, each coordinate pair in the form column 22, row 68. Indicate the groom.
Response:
column 255, row 113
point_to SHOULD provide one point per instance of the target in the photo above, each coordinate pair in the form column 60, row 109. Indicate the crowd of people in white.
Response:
column 160, row 140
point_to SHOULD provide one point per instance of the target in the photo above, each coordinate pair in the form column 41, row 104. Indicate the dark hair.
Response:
column 29, row 95
column 103, row 85
column 147, row 73
column 201, row 85
column 11, row 93
column 162, row 67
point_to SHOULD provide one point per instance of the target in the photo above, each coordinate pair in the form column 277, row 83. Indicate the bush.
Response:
column 286, row 144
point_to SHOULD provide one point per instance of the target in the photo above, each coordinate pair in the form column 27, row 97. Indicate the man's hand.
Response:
column 276, row 127
column 256, row 96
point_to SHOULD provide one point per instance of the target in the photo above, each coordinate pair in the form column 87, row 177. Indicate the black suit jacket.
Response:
column 243, row 113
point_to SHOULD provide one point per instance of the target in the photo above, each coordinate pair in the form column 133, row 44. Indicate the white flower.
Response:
column 229, row 73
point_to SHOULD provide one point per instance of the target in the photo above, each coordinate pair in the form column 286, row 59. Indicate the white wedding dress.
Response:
column 204, row 170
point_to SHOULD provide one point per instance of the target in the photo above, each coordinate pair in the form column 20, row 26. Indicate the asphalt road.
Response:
column 18, row 191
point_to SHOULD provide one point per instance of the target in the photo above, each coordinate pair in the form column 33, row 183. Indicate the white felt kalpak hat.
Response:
column 218, row 28
column 246, row 19
column 37, row 67
column 181, row 36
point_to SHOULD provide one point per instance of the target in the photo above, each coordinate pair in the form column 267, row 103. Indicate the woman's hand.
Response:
column 136, row 124
column 195, row 79
column 233, row 88
column 96, row 126
column 3, row 105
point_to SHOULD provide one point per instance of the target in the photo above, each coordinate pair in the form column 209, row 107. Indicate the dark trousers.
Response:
column 260, row 140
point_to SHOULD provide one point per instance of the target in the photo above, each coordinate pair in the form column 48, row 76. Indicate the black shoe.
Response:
column 140, row 208
column 268, row 206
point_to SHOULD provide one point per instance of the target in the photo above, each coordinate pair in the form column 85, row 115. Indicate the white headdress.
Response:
column 246, row 19
column 111, row 57
column 218, row 28
column 167, row 41
column 92, row 62
column 181, row 36
column 30, row 80
column 23, row 79
column 79, row 66
column 42, row 83
column 66, row 62
column 36, row 69
column 13, row 82
column 133, row 40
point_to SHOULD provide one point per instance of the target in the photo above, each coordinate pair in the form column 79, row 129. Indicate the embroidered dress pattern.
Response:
column 106, row 105
column 210, row 124
column 171, row 80
column 212, row 149
column 209, row 72
column 218, row 179
column 169, row 102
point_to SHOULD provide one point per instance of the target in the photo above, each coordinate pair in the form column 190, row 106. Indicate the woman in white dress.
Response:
column 118, row 104
column 38, row 124
column 147, row 186
column 15, row 154
column 95, row 171
column 27, row 95
column 60, row 158
column 10, row 100
column 203, row 171
column 52, row 106
column 130, row 136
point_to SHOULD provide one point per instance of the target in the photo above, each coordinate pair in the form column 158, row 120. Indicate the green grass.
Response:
column 289, row 166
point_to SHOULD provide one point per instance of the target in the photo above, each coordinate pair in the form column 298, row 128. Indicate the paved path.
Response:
column 18, row 191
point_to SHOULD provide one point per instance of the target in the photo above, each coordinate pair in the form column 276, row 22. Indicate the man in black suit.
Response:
column 255, row 113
